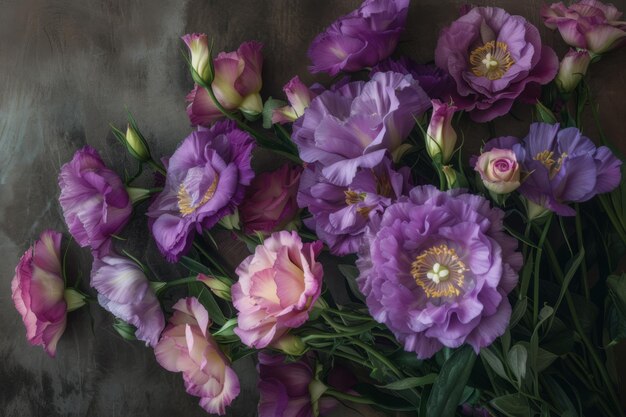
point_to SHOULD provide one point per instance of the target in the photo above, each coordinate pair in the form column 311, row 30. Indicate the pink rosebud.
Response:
column 441, row 137
column 587, row 24
column 236, row 84
column 299, row 96
column 499, row 170
column 270, row 203
column 187, row 346
column 572, row 69
column 277, row 288
column 200, row 55
column 39, row 293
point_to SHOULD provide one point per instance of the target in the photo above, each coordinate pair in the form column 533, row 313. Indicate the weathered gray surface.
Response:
column 67, row 69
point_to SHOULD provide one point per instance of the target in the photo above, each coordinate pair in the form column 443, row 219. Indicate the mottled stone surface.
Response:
column 68, row 68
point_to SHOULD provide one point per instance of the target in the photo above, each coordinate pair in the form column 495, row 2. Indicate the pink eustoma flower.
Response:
column 270, row 202
column 38, row 292
column 93, row 198
column 278, row 286
column 299, row 96
column 236, row 84
column 187, row 346
column 587, row 24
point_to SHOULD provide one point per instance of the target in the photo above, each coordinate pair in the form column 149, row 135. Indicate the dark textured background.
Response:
column 68, row 68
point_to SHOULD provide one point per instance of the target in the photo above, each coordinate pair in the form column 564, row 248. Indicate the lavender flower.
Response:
column 356, row 124
column 342, row 213
column 124, row 290
column 436, row 82
column 437, row 269
column 206, row 180
column 563, row 166
column 360, row 39
column 93, row 198
column 495, row 59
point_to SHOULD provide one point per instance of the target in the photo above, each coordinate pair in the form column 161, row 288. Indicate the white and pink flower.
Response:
column 277, row 288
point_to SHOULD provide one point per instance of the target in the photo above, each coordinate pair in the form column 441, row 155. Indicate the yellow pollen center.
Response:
column 547, row 159
column 185, row 201
column 492, row 60
column 439, row 272
column 353, row 197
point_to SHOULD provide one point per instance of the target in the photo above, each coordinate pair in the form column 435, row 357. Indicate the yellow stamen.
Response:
column 492, row 60
column 184, row 198
column 547, row 159
column 439, row 272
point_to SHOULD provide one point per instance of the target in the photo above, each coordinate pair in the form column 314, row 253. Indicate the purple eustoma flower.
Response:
column 495, row 59
column 437, row 268
column 342, row 213
column 436, row 82
column 356, row 124
column 93, row 198
column 284, row 387
column 124, row 290
column 563, row 166
column 360, row 39
column 206, row 180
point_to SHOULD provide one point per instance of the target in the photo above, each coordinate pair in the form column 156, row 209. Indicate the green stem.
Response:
column 377, row 355
column 210, row 259
column 343, row 329
column 363, row 400
column 156, row 166
column 180, row 281
column 583, row 336
column 581, row 247
column 538, row 255
column 346, row 314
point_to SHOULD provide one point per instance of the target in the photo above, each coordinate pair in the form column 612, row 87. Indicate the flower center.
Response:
column 547, row 159
column 492, row 60
column 439, row 272
column 185, row 199
column 353, row 197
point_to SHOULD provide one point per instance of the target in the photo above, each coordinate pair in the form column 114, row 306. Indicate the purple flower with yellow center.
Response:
column 355, row 125
column 206, row 180
column 342, row 213
column 437, row 268
column 436, row 82
column 562, row 166
column 495, row 59
column 360, row 39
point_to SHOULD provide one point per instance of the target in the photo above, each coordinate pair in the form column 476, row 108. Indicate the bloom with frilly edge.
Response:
column 206, row 180
column 437, row 269
column 360, row 39
column 124, row 290
column 355, row 125
column 278, row 286
column 187, row 346
column 495, row 59
column 38, row 292
column 93, row 198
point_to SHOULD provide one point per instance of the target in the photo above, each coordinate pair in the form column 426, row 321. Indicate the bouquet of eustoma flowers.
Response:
column 387, row 267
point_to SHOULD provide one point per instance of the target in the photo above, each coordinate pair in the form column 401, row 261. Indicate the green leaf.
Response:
column 617, row 292
column 533, row 349
column 201, row 292
column 518, row 311
column 512, row 405
column 407, row 383
column 351, row 272
column 494, row 362
column 448, row 388
column 194, row 266
column 517, row 360
column 615, row 323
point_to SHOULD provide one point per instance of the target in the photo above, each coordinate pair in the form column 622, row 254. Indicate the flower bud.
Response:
column 499, row 170
column 231, row 222
column 299, row 97
column 137, row 145
column 73, row 299
column 219, row 288
column 572, row 69
column 544, row 114
column 450, row 175
column 441, row 137
column 200, row 58
column 290, row 345
column 125, row 330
